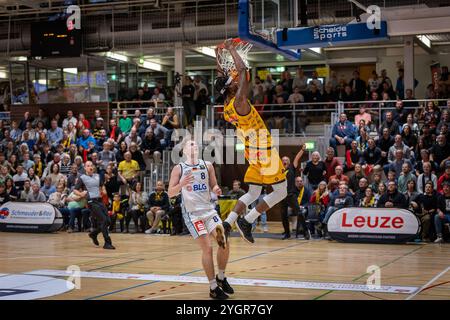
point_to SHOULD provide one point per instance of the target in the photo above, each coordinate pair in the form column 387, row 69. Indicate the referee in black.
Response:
column 291, row 200
column 88, row 185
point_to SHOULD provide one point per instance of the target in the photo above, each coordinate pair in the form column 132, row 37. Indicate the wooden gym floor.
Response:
column 313, row 261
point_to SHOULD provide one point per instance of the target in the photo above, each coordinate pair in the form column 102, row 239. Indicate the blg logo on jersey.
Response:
column 4, row 213
column 199, row 187
column 199, row 226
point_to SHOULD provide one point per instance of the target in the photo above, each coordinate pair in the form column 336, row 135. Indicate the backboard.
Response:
column 259, row 20
column 274, row 25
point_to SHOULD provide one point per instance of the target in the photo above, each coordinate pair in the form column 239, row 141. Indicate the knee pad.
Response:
column 252, row 195
column 279, row 193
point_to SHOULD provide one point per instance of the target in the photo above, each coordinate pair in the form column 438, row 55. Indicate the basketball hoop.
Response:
column 225, row 60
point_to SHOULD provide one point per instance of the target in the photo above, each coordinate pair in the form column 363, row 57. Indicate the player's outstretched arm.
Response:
column 241, row 103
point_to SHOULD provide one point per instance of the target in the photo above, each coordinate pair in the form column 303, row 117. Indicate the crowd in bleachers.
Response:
column 274, row 97
column 42, row 157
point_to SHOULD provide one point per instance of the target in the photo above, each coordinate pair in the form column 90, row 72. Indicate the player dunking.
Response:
column 265, row 166
column 195, row 179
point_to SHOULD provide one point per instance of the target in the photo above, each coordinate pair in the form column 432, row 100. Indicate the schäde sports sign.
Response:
column 29, row 217
column 377, row 225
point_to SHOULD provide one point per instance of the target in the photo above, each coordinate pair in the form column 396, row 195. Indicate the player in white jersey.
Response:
column 195, row 179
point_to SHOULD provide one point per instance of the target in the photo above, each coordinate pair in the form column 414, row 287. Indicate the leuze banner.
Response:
column 29, row 217
column 378, row 225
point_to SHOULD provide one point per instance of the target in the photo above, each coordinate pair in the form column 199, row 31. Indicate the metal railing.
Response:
column 323, row 113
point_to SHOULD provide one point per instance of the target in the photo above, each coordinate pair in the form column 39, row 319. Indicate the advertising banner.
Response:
column 378, row 225
column 29, row 217
column 327, row 35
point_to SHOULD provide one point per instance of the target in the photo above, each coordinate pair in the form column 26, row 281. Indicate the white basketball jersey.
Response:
column 196, row 196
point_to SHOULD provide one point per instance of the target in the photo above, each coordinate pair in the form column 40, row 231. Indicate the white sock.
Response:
column 213, row 284
column 221, row 274
column 252, row 215
column 232, row 217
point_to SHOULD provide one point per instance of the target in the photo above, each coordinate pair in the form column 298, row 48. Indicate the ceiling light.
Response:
column 316, row 50
column 425, row 40
column 208, row 51
column 152, row 66
column 117, row 56
column 71, row 70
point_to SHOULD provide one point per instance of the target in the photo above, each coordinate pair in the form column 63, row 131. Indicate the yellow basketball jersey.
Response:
column 265, row 163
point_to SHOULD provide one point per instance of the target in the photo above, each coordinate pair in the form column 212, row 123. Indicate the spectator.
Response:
column 412, row 125
column 440, row 152
column 444, row 177
column 19, row 178
column 136, row 155
column 48, row 188
column 406, row 176
column 82, row 123
column 13, row 192
column 315, row 170
column 159, row 206
column 371, row 157
column 369, row 200
column 236, row 192
column 300, row 81
column 390, row 124
column 373, row 83
column 151, row 148
column 352, row 157
column 159, row 131
column 36, row 195
column 363, row 115
column 187, row 93
column 125, row 123
column 426, row 176
column 133, row 137
column 343, row 133
column 399, row 145
column 4, row 196
column 376, row 180
column 33, row 177
column 70, row 119
column 426, row 205
column 128, row 169
column 358, row 175
column 41, row 117
column 137, row 203
column 358, row 87
column 339, row 175
column 430, row 115
column 393, row 198
column 400, row 113
column 360, row 192
column 170, row 122
column 26, row 190
column 331, row 162
column 55, row 175
column 342, row 200
column 411, row 193
column 54, row 134
column 397, row 164
column 443, row 210
column 409, row 138
column 83, row 141
column 114, row 131
column 15, row 133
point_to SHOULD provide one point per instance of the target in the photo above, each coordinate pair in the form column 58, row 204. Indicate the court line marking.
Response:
column 290, row 284
column 231, row 297
column 428, row 283
column 193, row 271
column 382, row 266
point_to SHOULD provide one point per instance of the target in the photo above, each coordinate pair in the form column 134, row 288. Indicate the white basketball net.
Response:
column 226, row 61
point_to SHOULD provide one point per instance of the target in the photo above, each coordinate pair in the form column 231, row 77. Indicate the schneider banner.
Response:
column 379, row 225
column 29, row 217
